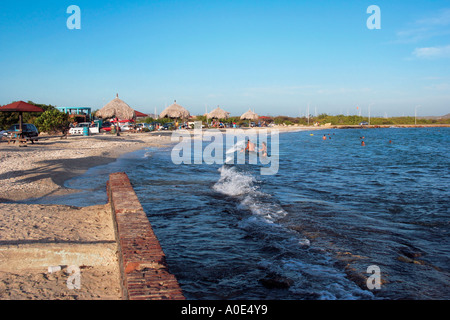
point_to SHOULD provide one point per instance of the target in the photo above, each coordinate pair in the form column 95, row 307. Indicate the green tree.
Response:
column 52, row 120
column 149, row 120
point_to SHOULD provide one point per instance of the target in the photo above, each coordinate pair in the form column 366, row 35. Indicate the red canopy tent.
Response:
column 20, row 107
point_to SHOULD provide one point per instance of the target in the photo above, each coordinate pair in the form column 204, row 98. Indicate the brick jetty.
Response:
column 143, row 267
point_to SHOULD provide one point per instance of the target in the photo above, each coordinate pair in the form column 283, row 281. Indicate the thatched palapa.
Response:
column 249, row 115
column 175, row 111
column 218, row 114
column 117, row 109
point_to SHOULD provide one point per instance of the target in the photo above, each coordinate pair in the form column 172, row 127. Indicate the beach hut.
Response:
column 218, row 114
column 250, row 115
column 175, row 111
column 140, row 114
column 116, row 108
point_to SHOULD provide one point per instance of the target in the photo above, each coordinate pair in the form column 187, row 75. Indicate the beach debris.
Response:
column 53, row 269
column 304, row 242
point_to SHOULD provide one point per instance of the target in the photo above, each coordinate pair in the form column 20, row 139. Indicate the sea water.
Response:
column 311, row 231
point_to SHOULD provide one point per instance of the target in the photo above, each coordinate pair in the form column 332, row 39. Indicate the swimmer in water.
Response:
column 263, row 150
column 324, row 137
column 250, row 147
column 363, row 143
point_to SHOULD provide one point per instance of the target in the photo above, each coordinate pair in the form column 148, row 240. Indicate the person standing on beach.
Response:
column 117, row 127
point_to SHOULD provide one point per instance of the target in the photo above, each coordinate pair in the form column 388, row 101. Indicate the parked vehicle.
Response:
column 78, row 130
column 364, row 123
column 106, row 126
column 144, row 127
column 168, row 126
column 29, row 131
column 126, row 127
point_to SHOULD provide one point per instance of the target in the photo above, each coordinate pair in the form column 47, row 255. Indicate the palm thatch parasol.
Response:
column 218, row 114
column 175, row 111
column 249, row 115
column 117, row 109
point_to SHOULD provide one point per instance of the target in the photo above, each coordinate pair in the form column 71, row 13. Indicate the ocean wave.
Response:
column 240, row 184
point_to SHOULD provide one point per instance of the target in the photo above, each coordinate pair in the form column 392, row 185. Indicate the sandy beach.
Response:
column 35, row 237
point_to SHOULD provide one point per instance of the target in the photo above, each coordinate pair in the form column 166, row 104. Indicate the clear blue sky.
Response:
column 275, row 57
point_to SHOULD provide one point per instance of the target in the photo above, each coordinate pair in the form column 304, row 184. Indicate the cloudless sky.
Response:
column 274, row 57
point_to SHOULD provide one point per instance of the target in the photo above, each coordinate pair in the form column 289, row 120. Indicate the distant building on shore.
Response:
column 79, row 114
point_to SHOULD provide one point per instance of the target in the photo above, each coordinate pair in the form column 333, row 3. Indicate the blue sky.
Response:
column 275, row 57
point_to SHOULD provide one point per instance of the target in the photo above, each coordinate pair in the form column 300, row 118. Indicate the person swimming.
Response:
column 250, row 147
column 263, row 150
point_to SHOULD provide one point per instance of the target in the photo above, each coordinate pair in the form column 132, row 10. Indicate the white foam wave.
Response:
column 238, row 146
column 242, row 185
column 234, row 183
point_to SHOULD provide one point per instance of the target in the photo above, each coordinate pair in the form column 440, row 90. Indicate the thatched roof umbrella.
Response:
column 117, row 109
column 175, row 111
column 218, row 114
column 249, row 115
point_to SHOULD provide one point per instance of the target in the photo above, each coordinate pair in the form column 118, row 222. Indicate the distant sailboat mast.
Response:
column 308, row 114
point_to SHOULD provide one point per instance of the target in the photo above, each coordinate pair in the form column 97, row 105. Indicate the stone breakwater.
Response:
column 143, row 268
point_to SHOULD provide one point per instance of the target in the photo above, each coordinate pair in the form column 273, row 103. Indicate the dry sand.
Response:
column 35, row 237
